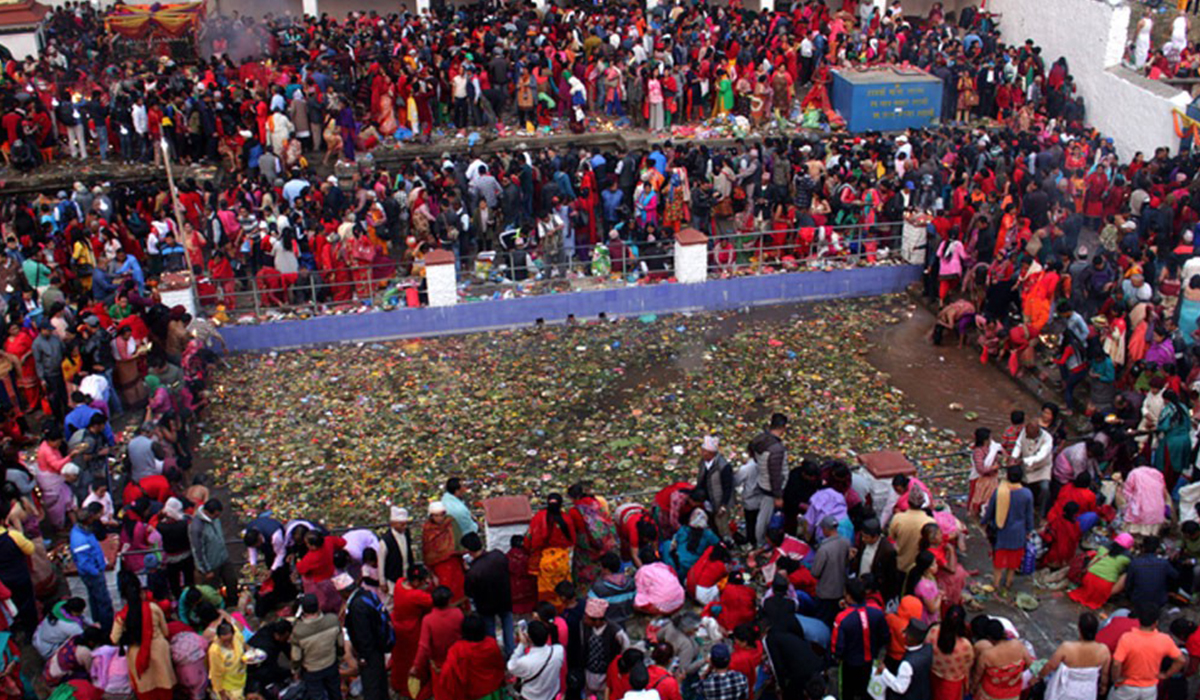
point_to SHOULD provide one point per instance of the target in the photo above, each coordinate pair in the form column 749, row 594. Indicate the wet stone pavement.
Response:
column 932, row 379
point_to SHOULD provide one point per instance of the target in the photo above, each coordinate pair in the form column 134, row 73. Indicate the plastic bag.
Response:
column 875, row 687
column 1029, row 560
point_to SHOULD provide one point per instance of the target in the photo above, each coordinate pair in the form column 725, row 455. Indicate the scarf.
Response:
column 1003, row 496
column 147, row 635
column 439, row 542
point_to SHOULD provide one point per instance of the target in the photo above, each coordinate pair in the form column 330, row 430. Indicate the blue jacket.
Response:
column 133, row 268
column 86, row 551
column 78, row 419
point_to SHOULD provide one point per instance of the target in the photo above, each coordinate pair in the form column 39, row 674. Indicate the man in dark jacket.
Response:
column 769, row 452
column 911, row 681
column 792, row 657
column 274, row 639
column 97, row 113
column 487, row 585
column 716, row 480
column 876, row 555
column 372, row 637
column 703, row 201
column 859, row 638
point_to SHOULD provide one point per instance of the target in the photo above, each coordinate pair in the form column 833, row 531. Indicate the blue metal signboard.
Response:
column 885, row 100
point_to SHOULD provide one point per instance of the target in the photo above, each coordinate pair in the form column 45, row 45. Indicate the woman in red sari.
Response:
column 363, row 252
column 951, row 576
column 474, row 668
column 551, row 540
column 222, row 277
column 331, row 262
column 20, row 344
column 705, row 578
column 1063, row 535
column 1093, row 197
column 440, row 550
column 410, row 602
column 781, row 224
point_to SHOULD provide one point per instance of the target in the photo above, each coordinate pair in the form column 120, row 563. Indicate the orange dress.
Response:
column 1040, row 299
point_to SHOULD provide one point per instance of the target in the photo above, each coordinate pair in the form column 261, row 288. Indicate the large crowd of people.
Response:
column 270, row 224
column 758, row 578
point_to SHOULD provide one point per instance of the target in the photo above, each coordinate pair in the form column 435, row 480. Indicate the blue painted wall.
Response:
column 886, row 106
column 625, row 301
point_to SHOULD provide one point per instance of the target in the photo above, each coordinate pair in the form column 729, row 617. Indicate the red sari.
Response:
column 522, row 584
column 21, row 345
column 1064, row 538
column 472, row 670
column 409, row 606
column 364, row 255
column 747, row 661
column 705, row 573
column 222, row 277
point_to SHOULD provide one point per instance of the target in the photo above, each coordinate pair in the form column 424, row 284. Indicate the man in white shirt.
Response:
column 473, row 170
column 395, row 548
column 141, row 128
column 359, row 541
column 1035, row 451
column 912, row 676
column 537, row 663
column 95, row 386
column 1152, row 408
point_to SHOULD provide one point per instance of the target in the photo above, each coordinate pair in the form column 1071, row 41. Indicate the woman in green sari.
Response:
column 1174, row 443
column 724, row 94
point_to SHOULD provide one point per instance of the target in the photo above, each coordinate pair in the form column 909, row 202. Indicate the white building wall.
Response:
column 21, row 44
column 1091, row 34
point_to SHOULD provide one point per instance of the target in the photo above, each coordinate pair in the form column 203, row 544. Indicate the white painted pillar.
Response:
column 180, row 296
column 423, row 7
column 310, row 8
column 441, row 279
column 691, row 256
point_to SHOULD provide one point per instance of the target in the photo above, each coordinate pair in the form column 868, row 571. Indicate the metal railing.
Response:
column 532, row 270
column 758, row 251
column 312, row 291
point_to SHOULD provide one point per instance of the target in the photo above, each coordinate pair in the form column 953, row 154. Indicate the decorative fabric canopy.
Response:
column 145, row 21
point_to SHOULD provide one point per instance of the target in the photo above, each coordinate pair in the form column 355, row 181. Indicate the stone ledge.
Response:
column 713, row 295
column 1155, row 87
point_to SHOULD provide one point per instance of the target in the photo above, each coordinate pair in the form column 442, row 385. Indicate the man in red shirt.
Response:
column 440, row 629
